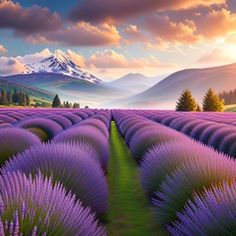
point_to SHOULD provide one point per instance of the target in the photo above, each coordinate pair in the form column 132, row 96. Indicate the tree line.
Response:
column 211, row 102
column 229, row 97
column 14, row 98
column 56, row 103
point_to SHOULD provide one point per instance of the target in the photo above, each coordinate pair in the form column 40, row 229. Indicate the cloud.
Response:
column 133, row 34
column 216, row 23
column 164, row 29
column 111, row 59
column 80, row 34
column 2, row 49
column 107, row 10
column 216, row 56
column 27, row 20
column 10, row 66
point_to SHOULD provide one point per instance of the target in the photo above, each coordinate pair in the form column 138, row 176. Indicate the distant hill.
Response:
column 164, row 94
column 69, row 88
column 135, row 82
column 36, row 93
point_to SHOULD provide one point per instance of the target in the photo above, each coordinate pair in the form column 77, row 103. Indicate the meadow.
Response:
column 117, row 172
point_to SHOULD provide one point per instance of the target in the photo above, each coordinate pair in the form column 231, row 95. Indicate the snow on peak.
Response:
column 60, row 62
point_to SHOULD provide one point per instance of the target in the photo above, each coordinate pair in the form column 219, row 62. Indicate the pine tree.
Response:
column 186, row 102
column 10, row 98
column 67, row 105
column 56, row 102
column 27, row 100
column 3, row 100
column 198, row 109
column 212, row 102
column 76, row 105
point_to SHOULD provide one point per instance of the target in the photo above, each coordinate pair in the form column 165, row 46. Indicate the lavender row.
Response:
column 214, row 132
column 71, row 166
column 183, row 179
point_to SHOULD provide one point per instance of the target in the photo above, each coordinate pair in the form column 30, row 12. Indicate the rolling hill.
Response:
column 164, row 94
column 135, row 82
column 69, row 88
column 36, row 93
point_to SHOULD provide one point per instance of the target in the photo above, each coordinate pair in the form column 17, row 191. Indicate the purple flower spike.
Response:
column 212, row 213
column 50, row 127
column 192, row 177
column 72, row 165
column 29, row 201
column 89, row 135
column 15, row 140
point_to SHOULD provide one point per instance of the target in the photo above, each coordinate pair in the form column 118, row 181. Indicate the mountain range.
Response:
column 58, row 62
column 165, row 93
column 46, row 73
column 135, row 82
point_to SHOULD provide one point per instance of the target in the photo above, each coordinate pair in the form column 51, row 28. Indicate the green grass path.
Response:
column 129, row 213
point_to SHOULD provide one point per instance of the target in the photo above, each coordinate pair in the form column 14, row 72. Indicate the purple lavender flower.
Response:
column 50, row 127
column 72, row 165
column 15, row 140
column 212, row 213
column 144, row 139
column 29, row 201
column 61, row 120
column 192, row 176
column 89, row 135
column 164, row 159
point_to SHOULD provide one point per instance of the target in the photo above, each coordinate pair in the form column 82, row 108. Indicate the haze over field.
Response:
column 118, row 53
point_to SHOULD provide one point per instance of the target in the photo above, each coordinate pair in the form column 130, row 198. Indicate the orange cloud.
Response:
column 112, row 59
column 27, row 20
column 217, row 23
column 110, row 11
column 164, row 29
column 81, row 34
column 133, row 33
column 10, row 66
column 216, row 56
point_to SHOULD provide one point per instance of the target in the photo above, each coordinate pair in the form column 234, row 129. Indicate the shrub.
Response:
column 88, row 135
column 193, row 176
column 34, row 207
column 71, row 165
column 15, row 140
column 211, row 213
column 50, row 127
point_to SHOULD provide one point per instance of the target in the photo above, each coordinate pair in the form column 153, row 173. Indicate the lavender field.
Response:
column 117, row 172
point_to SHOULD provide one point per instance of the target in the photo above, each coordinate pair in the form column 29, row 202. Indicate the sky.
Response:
column 113, row 38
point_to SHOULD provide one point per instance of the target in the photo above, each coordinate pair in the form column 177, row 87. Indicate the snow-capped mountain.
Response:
column 57, row 62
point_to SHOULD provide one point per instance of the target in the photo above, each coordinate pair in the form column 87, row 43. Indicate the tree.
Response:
column 68, row 105
column 3, row 100
column 198, row 109
column 56, row 102
column 212, row 102
column 10, row 98
column 186, row 102
column 76, row 105
column 27, row 100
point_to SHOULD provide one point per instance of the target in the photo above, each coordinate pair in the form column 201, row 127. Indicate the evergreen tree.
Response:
column 56, row 102
column 198, row 109
column 186, row 102
column 67, row 105
column 3, row 100
column 20, row 96
column 76, row 105
column 15, row 97
column 212, row 102
column 10, row 98
column 27, row 100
